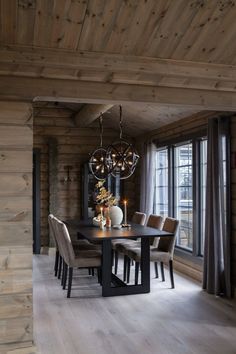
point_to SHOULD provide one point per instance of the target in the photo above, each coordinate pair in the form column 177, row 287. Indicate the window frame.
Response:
column 195, row 139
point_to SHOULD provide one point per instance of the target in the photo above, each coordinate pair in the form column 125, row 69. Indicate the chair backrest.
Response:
column 52, row 229
column 154, row 221
column 139, row 218
column 68, row 251
column 167, row 244
column 55, row 225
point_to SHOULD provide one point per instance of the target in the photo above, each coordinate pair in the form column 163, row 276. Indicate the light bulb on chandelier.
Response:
column 121, row 156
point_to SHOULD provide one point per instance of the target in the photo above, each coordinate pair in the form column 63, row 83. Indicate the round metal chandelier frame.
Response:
column 122, row 157
column 119, row 159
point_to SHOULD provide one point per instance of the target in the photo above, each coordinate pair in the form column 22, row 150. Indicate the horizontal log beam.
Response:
column 39, row 89
column 90, row 113
column 58, row 58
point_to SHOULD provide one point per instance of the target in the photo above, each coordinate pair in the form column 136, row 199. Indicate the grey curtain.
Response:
column 216, row 272
column 147, row 178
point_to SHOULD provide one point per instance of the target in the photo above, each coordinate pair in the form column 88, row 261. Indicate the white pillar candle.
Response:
column 125, row 211
column 101, row 210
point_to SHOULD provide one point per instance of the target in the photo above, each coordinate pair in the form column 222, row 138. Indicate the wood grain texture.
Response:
column 15, row 209
column 18, row 184
column 73, row 146
column 16, row 138
column 182, row 321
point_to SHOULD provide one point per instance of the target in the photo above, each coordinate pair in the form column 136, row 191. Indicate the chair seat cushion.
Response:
column 85, row 245
column 155, row 256
column 159, row 256
column 120, row 241
column 89, row 258
column 124, row 247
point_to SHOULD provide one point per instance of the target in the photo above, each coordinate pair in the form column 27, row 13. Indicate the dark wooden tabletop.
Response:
column 91, row 232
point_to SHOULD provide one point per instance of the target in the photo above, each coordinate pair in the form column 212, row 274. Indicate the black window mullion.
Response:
column 196, row 197
column 171, row 181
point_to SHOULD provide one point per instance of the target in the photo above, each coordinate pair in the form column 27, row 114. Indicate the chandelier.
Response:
column 121, row 156
column 97, row 163
column 119, row 159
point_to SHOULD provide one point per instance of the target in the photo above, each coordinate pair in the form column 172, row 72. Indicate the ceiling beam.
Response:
column 89, row 113
column 84, row 60
column 24, row 88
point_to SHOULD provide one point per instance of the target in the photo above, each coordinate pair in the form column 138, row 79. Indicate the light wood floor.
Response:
column 181, row 321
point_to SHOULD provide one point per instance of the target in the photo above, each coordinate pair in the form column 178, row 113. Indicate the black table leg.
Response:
column 112, row 285
column 106, row 266
column 145, row 264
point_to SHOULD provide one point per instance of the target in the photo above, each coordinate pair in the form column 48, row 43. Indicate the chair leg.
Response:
column 136, row 272
column 116, row 262
column 56, row 262
column 89, row 271
column 171, row 274
column 125, row 268
column 70, row 281
column 128, row 269
column 63, row 272
column 162, row 271
column 92, row 271
column 59, row 269
column 65, row 276
column 156, row 269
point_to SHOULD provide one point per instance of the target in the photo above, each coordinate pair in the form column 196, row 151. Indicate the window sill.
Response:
column 189, row 259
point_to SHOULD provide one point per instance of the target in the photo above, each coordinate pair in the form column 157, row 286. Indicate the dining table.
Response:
column 112, row 285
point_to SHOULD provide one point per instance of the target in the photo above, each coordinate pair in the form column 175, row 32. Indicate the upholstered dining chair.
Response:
column 80, row 259
column 81, row 244
column 163, row 252
column 138, row 218
column 154, row 221
column 52, row 232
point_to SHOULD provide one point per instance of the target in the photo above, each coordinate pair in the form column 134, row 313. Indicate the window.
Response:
column 183, row 198
column 180, row 190
column 161, row 183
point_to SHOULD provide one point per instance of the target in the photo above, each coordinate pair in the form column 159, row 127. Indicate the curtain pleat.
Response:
column 216, row 272
column 147, row 178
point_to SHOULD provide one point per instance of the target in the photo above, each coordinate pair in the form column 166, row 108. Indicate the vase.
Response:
column 116, row 215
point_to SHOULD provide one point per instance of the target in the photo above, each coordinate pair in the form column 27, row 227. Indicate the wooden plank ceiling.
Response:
column 176, row 53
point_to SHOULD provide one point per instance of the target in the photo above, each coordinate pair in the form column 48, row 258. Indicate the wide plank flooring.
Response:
column 185, row 320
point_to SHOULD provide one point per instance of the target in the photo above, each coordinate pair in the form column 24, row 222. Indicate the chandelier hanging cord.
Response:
column 101, row 128
column 121, row 132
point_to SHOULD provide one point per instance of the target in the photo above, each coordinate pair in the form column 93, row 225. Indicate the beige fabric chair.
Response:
column 138, row 218
column 163, row 253
column 154, row 221
column 52, row 232
column 79, row 259
column 81, row 244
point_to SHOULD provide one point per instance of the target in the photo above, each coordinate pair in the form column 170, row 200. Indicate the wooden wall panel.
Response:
column 73, row 146
column 12, row 184
column 16, row 138
column 11, row 161
column 19, row 136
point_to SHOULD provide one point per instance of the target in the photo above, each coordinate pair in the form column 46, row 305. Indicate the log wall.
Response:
column 63, row 144
column 16, row 139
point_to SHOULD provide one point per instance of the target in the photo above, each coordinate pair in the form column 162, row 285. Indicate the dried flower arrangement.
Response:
column 104, row 197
